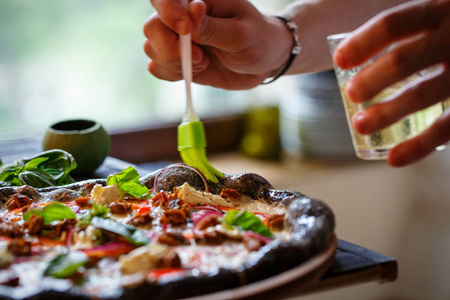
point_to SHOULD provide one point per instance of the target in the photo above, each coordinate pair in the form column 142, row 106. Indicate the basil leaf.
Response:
column 64, row 265
column 247, row 221
column 59, row 160
column 130, row 233
column 48, row 168
column 128, row 182
column 100, row 211
column 36, row 178
column 32, row 164
column 51, row 212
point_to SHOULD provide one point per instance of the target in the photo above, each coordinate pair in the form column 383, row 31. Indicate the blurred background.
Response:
column 84, row 59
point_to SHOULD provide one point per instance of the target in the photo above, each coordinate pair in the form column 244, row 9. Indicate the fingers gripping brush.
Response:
column 191, row 133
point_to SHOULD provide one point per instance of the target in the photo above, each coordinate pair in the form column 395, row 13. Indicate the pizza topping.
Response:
column 12, row 281
column 65, row 265
column 113, row 249
column 59, row 229
column 83, row 202
column 6, row 258
column 10, row 230
column 100, row 211
column 20, row 247
column 143, row 258
column 17, row 201
column 179, row 204
column 101, row 195
column 194, row 197
column 230, row 194
column 210, row 237
column 252, row 243
column 172, row 238
column 128, row 182
column 245, row 220
column 51, row 212
column 206, row 218
column 276, row 222
column 120, row 207
column 141, row 219
column 84, row 239
column 170, row 260
column 174, row 217
column 34, row 225
column 130, row 233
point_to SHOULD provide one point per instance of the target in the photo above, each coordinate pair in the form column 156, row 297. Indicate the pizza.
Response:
column 168, row 235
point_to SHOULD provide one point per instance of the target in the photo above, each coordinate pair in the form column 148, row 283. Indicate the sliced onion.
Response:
column 205, row 181
column 69, row 237
column 257, row 236
column 164, row 197
column 198, row 216
column 207, row 207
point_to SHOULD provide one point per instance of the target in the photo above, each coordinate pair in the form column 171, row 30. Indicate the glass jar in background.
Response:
column 261, row 132
column 312, row 119
column 261, row 138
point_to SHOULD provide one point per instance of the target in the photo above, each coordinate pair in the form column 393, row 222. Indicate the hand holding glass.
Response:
column 376, row 145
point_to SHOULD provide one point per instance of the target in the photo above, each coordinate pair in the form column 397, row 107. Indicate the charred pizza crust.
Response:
column 311, row 222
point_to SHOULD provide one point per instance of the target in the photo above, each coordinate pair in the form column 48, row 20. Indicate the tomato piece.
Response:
column 226, row 208
column 114, row 249
column 160, row 272
column 144, row 209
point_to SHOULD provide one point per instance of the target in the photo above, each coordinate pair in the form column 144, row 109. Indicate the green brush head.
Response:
column 191, row 145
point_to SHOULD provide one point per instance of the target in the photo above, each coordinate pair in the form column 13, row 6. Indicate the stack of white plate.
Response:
column 312, row 119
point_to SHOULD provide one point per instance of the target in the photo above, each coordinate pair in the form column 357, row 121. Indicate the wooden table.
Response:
column 352, row 264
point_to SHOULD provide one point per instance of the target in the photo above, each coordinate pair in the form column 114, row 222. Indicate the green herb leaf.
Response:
column 32, row 164
column 247, row 221
column 51, row 212
column 64, row 265
column 128, row 182
column 37, row 178
column 130, row 233
column 48, row 168
column 100, row 211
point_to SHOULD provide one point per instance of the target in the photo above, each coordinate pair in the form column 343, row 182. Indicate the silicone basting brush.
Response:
column 191, row 132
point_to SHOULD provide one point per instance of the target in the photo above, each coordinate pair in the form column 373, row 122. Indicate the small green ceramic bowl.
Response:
column 86, row 140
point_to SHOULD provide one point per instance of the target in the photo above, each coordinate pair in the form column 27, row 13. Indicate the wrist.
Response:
column 289, row 48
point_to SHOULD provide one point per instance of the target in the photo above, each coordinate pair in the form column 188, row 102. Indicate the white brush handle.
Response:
column 186, row 66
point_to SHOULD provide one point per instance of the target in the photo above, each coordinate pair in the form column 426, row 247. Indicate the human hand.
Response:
column 234, row 45
column 423, row 28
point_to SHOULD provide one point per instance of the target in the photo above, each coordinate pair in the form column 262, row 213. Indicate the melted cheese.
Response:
column 192, row 196
column 143, row 258
column 6, row 258
column 261, row 206
column 85, row 239
column 105, row 195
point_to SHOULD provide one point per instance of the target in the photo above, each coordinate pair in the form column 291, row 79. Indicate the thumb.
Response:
column 174, row 15
column 218, row 32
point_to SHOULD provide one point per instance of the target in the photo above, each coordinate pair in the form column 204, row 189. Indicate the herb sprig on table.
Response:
column 48, row 168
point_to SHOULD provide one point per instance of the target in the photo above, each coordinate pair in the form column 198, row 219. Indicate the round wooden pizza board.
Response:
column 282, row 285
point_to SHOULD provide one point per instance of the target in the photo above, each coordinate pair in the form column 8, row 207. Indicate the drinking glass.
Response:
column 375, row 146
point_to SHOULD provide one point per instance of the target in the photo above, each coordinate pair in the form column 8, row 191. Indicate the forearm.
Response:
column 316, row 19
